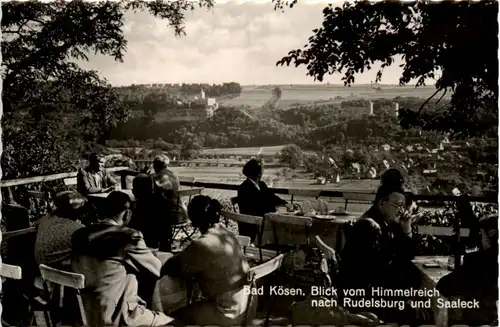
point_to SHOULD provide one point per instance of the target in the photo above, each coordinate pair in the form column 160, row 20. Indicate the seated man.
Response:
column 54, row 232
column 164, row 177
column 379, row 249
column 94, row 178
column 477, row 278
column 113, row 258
column 168, row 208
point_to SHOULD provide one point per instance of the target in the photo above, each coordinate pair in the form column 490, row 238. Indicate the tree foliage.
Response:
column 453, row 43
column 291, row 156
column 49, row 101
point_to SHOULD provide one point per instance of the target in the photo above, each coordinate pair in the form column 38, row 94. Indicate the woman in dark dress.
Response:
column 255, row 198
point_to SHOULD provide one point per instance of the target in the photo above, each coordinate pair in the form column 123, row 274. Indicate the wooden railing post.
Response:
column 123, row 178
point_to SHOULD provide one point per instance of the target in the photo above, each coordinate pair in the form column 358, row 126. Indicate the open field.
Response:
column 256, row 96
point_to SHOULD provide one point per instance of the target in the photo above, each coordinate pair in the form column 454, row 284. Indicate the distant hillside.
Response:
column 294, row 95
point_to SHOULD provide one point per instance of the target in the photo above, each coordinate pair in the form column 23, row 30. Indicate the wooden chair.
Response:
column 253, row 220
column 328, row 265
column 303, row 193
column 8, row 235
column 358, row 197
column 70, row 183
column 9, row 272
column 55, row 279
column 243, row 240
column 263, row 270
column 177, row 228
column 276, row 219
column 234, row 203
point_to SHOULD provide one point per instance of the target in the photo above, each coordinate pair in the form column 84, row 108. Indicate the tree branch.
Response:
column 429, row 99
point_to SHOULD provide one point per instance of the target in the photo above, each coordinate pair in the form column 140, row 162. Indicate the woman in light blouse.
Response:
column 216, row 262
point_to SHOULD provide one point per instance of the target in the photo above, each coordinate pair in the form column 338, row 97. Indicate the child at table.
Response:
column 217, row 264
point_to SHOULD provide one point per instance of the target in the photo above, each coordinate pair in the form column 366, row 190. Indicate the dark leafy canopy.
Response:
column 454, row 43
column 48, row 100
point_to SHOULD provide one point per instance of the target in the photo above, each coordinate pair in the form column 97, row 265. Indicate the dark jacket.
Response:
column 112, row 258
column 255, row 202
column 373, row 253
column 476, row 279
column 252, row 201
column 86, row 183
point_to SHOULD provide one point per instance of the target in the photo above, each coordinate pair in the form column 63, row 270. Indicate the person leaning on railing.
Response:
column 477, row 278
column 94, row 178
column 255, row 198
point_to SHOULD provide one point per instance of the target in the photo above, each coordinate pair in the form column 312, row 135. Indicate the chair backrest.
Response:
column 241, row 218
column 358, row 197
column 268, row 267
column 244, row 240
column 187, row 179
column 327, row 251
column 234, row 203
column 190, row 192
column 10, row 271
column 64, row 278
column 12, row 234
column 72, row 181
column 364, row 197
column 290, row 220
column 304, row 193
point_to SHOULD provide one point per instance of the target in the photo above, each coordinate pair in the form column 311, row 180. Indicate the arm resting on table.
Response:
column 84, row 185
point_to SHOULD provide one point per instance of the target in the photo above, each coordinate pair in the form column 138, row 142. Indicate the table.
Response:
column 430, row 278
column 331, row 231
column 182, row 192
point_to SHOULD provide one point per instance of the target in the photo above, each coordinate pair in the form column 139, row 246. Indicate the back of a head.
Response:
column 142, row 186
column 392, row 178
column 160, row 162
column 490, row 225
column 69, row 204
column 94, row 157
column 252, row 168
column 204, row 211
column 117, row 202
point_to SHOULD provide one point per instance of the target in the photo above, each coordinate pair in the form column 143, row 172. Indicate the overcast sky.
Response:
column 232, row 42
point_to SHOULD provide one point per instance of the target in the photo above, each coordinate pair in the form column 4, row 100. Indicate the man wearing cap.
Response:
column 116, row 262
column 94, row 178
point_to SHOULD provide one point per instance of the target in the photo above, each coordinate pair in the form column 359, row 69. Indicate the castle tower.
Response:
column 202, row 94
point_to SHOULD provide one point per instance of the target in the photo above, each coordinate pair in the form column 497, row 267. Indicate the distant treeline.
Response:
column 179, row 90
